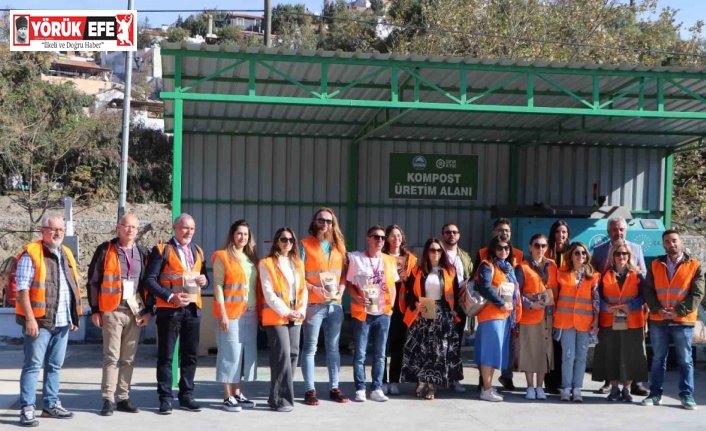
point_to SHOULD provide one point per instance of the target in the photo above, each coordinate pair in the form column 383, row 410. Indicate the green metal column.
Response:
column 668, row 185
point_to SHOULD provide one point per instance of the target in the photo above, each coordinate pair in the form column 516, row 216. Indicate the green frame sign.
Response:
column 433, row 176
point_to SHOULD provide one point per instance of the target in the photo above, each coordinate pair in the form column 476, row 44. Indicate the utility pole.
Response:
column 268, row 23
column 126, row 127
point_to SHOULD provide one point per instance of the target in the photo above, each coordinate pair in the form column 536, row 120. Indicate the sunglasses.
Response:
column 284, row 239
column 451, row 232
column 621, row 253
column 377, row 237
column 324, row 221
column 502, row 248
column 435, row 250
column 538, row 245
column 580, row 253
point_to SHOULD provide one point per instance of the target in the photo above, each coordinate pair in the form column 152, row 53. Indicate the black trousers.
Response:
column 552, row 380
column 396, row 339
column 460, row 330
column 184, row 323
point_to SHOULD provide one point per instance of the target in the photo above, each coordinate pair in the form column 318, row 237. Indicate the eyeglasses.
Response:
column 580, row 253
column 621, row 253
column 538, row 245
column 54, row 229
column 451, row 232
column 327, row 221
column 377, row 237
column 129, row 227
column 502, row 248
column 435, row 250
column 285, row 239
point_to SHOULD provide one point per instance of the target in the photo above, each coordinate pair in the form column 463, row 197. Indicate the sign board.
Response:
column 433, row 176
column 73, row 30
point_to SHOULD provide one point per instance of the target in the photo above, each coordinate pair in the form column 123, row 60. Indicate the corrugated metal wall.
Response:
column 229, row 175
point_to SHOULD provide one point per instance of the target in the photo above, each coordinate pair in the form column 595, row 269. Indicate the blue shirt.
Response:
column 25, row 275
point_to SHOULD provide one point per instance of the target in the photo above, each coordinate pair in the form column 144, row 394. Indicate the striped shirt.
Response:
column 25, row 275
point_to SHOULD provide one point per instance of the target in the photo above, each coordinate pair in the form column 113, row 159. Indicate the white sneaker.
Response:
column 490, row 395
column 539, row 392
column 377, row 395
column 566, row 394
column 577, row 395
column 495, row 391
column 385, row 388
column 458, row 387
column 394, row 389
column 531, row 394
column 360, row 396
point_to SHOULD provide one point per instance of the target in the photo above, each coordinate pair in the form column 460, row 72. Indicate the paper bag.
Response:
column 329, row 284
column 372, row 292
column 137, row 306
column 430, row 306
column 190, row 287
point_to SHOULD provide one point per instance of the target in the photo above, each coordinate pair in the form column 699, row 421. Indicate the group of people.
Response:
column 540, row 313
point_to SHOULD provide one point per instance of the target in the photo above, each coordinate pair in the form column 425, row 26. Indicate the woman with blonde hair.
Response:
column 234, row 307
column 620, row 353
column 283, row 310
column 576, row 317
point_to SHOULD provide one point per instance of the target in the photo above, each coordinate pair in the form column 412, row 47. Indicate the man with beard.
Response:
column 673, row 290
column 21, row 27
column 461, row 260
column 171, row 264
column 323, row 253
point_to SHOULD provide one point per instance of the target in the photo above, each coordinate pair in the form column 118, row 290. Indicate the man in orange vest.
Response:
column 323, row 253
column 673, row 290
column 176, row 269
column 48, row 307
column 372, row 275
column 116, row 269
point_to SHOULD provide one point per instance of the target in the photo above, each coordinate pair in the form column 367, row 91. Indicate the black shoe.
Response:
column 638, row 389
column 165, row 408
column 507, row 383
column 107, row 409
column 57, row 412
column 552, row 391
column 605, row 389
column 126, row 406
column 190, row 405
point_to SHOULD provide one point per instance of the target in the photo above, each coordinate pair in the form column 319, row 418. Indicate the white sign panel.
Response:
column 73, row 30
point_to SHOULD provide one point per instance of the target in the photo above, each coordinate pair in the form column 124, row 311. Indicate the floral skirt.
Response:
column 431, row 352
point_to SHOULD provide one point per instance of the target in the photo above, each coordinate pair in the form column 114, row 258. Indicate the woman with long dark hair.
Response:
column 497, row 283
column 234, row 307
column 396, row 246
column 431, row 351
column 285, row 296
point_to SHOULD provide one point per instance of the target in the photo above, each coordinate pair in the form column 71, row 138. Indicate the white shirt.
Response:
column 455, row 260
column 364, row 270
column 432, row 287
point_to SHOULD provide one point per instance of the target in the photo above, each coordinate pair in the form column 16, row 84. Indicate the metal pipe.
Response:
column 268, row 23
column 126, row 127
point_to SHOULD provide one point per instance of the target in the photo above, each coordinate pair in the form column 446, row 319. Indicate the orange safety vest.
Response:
column 171, row 277
column 316, row 263
column 574, row 307
column 614, row 295
column 389, row 264
column 235, row 287
column 516, row 252
column 37, row 290
column 111, row 290
column 281, row 288
column 448, row 278
column 672, row 293
column 490, row 311
column 533, row 285
column 411, row 264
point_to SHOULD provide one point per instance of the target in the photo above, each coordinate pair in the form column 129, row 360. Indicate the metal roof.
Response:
column 355, row 95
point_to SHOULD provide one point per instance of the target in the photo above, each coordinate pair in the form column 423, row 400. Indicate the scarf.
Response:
column 509, row 271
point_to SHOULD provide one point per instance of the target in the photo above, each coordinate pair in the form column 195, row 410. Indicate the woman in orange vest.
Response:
column 284, row 297
column 576, row 317
column 496, row 283
column 620, row 353
column 396, row 246
column 431, row 351
column 234, row 307
column 536, row 278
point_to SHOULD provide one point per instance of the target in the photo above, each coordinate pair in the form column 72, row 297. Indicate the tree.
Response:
column 229, row 35
column 287, row 15
column 378, row 7
column 350, row 30
column 177, row 34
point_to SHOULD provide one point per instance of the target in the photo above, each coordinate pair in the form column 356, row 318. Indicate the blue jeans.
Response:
column 331, row 316
column 47, row 350
column 659, row 338
column 376, row 327
column 574, row 348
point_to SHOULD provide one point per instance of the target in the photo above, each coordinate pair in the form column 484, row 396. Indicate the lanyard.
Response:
column 188, row 256
column 129, row 260
column 376, row 270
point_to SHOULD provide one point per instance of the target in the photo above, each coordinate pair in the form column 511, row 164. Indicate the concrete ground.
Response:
column 80, row 392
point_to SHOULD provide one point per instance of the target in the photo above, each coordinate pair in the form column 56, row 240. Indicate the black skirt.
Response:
column 620, row 355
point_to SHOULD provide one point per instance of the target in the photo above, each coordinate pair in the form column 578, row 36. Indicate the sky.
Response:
column 690, row 10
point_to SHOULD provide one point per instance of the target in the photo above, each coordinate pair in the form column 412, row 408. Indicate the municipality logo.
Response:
column 419, row 163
